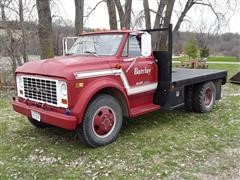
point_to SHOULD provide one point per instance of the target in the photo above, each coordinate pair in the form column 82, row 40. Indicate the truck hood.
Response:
column 64, row 67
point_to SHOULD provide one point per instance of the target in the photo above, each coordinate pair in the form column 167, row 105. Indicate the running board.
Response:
column 140, row 110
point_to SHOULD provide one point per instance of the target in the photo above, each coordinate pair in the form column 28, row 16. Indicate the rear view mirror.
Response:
column 146, row 43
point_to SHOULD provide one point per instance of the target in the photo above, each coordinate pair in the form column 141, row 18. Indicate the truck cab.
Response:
column 106, row 76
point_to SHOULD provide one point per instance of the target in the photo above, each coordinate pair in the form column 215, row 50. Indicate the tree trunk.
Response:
column 21, row 18
column 159, row 14
column 128, row 11
column 79, row 11
column 157, row 24
column 10, row 48
column 147, row 14
column 124, row 16
column 168, row 13
column 45, row 29
column 120, row 13
column 166, row 21
column 112, row 14
column 3, row 12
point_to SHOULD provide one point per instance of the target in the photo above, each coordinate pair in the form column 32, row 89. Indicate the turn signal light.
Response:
column 64, row 101
column 118, row 66
column 79, row 85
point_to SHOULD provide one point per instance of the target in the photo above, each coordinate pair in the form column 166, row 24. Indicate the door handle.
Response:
column 150, row 63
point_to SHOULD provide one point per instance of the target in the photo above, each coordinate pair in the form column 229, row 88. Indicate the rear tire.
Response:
column 37, row 124
column 204, row 97
column 102, row 121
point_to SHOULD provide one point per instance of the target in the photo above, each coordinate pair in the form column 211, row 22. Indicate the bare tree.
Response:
column 128, row 10
column 112, row 14
column 45, row 29
column 162, row 19
column 2, row 11
column 124, row 15
column 190, row 3
column 79, row 11
column 159, row 14
column 162, row 43
column 20, row 13
column 12, row 44
column 147, row 14
column 120, row 12
column 21, row 19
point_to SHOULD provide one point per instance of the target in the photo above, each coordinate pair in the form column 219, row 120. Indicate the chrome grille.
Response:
column 40, row 90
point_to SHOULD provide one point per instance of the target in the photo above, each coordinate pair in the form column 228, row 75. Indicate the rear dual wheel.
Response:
column 102, row 121
column 200, row 98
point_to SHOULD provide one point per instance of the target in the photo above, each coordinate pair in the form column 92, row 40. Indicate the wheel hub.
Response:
column 104, row 121
column 208, row 98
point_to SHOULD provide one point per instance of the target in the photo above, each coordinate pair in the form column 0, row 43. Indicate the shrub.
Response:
column 191, row 48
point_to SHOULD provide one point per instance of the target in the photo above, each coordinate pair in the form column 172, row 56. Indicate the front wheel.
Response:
column 102, row 121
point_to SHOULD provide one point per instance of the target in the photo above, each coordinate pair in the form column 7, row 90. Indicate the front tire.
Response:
column 204, row 97
column 102, row 121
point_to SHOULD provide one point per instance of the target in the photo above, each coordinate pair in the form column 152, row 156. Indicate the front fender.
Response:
column 90, row 90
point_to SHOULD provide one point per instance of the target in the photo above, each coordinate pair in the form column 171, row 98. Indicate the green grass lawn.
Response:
column 211, row 59
column 223, row 59
column 171, row 145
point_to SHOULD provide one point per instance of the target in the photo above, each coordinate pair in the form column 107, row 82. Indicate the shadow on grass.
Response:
column 136, row 125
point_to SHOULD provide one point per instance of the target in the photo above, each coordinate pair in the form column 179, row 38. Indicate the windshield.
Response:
column 98, row 44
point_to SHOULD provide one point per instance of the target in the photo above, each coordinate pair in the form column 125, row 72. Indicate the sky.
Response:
column 198, row 15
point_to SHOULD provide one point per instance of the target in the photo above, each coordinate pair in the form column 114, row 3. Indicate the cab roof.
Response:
column 123, row 31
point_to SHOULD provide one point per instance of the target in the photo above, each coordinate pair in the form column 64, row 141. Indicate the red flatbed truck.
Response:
column 106, row 76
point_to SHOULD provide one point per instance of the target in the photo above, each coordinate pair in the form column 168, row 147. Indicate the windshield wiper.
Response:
column 93, row 53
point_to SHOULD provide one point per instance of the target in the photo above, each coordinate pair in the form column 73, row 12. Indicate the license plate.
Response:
column 36, row 115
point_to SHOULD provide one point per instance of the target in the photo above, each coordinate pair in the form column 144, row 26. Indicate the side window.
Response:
column 125, row 50
column 132, row 47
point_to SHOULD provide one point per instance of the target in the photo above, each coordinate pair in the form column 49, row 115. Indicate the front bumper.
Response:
column 47, row 116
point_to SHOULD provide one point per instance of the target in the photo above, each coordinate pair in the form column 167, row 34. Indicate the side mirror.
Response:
column 146, row 43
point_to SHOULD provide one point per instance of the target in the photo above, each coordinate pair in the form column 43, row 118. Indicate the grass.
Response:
column 159, row 145
column 211, row 59
column 223, row 59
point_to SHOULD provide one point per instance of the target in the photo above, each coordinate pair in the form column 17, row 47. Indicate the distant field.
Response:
column 212, row 58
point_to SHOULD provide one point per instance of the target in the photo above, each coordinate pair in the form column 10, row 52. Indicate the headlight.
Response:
column 62, row 94
column 63, row 89
column 19, row 81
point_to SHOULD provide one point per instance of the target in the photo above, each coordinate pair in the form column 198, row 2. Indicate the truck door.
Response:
column 139, row 70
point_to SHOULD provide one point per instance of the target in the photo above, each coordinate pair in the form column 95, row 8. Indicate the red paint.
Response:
column 63, row 68
column 208, row 98
column 47, row 116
